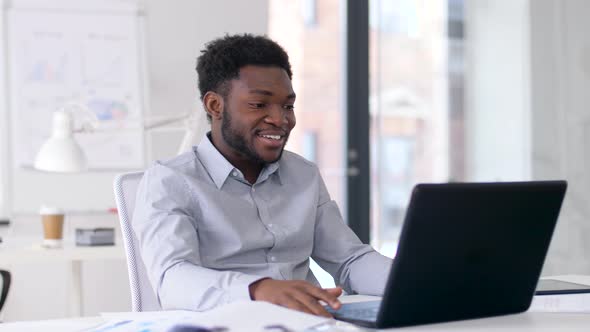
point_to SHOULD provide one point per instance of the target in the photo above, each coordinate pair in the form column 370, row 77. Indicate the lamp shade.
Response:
column 61, row 152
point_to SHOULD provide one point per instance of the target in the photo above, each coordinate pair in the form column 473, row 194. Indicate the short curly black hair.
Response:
column 222, row 59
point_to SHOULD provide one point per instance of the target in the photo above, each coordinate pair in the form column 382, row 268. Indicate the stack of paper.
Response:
column 248, row 316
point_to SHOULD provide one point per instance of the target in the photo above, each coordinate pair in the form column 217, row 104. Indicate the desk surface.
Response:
column 528, row 321
column 30, row 252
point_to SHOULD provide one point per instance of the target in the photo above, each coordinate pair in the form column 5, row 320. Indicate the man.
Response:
column 238, row 217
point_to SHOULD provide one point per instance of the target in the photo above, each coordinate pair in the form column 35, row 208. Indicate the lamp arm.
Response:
column 165, row 121
column 89, row 121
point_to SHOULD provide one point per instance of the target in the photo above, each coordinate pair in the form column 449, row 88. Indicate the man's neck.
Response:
column 251, row 170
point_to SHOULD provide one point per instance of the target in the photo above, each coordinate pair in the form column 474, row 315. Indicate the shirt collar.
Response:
column 220, row 169
column 269, row 170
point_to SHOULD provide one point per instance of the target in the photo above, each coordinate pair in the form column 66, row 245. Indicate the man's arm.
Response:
column 357, row 267
column 165, row 224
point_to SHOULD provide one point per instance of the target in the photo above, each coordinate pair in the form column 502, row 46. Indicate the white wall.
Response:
column 4, row 179
column 175, row 32
column 528, row 77
column 497, row 116
column 560, row 86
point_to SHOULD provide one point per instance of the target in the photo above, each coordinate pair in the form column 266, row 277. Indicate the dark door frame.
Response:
column 356, row 90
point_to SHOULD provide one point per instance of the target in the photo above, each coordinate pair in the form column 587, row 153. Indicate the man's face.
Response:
column 258, row 114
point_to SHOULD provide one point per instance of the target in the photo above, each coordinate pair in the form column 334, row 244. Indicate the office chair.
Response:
column 5, row 287
column 143, row 297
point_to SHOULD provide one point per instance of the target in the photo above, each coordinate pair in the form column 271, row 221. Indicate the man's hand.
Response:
column 296, row 294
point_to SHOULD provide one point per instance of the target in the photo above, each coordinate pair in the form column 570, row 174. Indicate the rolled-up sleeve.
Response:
column 166, row 224
column 355, row 266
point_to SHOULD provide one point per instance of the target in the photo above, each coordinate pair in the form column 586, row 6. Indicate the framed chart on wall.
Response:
column 85, row 52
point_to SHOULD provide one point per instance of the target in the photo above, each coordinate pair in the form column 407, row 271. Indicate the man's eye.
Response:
column 289, row 107
column 257, row 105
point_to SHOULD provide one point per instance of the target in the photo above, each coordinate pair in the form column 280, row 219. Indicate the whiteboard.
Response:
column 76, row 53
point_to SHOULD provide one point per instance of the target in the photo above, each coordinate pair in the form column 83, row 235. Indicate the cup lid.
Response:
column 45, row 209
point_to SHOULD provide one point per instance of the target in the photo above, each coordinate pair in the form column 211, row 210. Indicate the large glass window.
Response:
column 416, row 105
column 432, row 117
column 316, row 57
column 416, row 97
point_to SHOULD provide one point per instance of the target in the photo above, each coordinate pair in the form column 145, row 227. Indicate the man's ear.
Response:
column 213, row 103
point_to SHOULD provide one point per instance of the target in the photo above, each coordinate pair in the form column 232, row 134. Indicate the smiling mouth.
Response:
column 273, row 137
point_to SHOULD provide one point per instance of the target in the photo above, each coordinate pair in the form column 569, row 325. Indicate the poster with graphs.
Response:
column 83, row 55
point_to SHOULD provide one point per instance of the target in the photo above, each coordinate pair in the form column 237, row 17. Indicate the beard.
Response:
column 237, row 141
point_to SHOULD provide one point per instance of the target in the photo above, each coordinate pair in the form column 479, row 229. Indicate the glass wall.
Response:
column 507, row 105
column 416, row 97
column 416, row 105
column 310, row 31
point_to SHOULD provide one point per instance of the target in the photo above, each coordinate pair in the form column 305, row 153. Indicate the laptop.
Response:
column 466, row 250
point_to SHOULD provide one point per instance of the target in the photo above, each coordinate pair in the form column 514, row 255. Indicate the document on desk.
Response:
column 579, row 303
column 248, row 316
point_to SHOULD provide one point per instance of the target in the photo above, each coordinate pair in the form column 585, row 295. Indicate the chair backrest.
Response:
column 143, row 297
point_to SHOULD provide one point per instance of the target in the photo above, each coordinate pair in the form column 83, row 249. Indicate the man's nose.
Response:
column 277, row 116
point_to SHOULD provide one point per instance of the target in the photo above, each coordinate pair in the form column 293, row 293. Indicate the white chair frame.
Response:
column 143, row 297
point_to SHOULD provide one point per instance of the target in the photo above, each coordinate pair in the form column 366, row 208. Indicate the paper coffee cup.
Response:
column 53, row 222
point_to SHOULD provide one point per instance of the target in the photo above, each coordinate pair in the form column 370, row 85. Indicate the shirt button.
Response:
column 273, row 258
column 253, row 189
column 234, row 173
column 270, row 225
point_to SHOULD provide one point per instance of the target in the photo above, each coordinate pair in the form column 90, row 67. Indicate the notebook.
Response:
column 466, row 250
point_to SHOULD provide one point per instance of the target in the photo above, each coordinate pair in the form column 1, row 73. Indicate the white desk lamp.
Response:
column 61, row 153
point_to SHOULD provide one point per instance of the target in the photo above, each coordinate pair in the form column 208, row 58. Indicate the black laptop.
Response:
column 466, row 250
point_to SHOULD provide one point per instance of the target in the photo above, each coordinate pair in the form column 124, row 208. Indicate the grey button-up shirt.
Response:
column 206, row 233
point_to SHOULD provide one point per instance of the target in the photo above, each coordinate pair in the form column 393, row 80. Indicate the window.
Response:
column 316, row 57
column 416, row 106
column 415, row 101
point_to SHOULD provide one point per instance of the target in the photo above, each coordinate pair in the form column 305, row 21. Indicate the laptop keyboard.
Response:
column 366, row 311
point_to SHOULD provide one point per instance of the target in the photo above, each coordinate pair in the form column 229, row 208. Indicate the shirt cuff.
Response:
column 240, row 288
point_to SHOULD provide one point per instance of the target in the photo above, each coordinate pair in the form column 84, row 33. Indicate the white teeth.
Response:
column 276, row 137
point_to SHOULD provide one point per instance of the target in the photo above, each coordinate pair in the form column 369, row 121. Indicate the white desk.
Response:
column 525, row 322
column 21, row 251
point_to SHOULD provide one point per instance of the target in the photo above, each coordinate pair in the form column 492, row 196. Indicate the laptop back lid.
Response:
column 470, row 250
